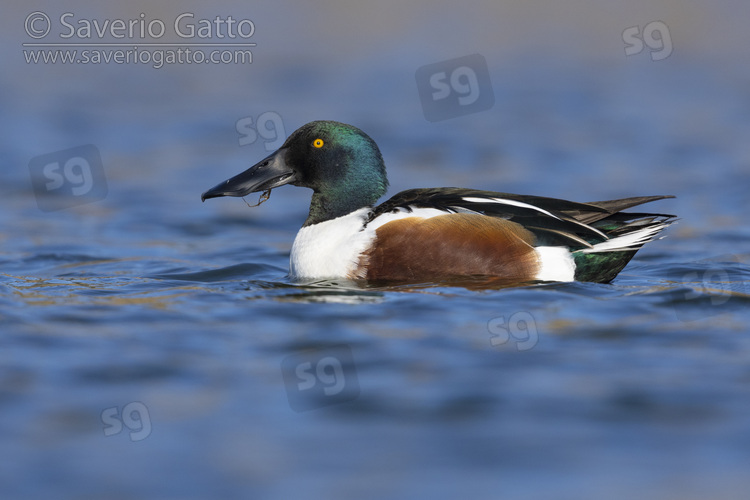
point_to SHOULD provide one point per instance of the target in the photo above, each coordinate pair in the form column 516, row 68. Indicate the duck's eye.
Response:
column 318, row 143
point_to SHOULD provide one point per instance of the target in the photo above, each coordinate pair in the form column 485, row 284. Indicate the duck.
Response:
column 433, row 235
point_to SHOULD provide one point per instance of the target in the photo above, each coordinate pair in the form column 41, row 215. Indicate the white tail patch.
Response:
column 555, row 264
column 630, row 241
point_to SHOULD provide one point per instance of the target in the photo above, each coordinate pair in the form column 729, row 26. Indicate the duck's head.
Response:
column 340, row 163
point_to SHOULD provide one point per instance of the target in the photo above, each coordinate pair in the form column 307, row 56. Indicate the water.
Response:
column 153, row 346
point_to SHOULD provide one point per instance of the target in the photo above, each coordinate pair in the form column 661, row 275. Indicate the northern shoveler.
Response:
column 435, row 234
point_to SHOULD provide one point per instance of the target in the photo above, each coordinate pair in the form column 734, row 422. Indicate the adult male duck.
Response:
column 436, row 234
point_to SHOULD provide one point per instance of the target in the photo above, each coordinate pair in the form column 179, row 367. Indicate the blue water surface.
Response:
column 153, row 346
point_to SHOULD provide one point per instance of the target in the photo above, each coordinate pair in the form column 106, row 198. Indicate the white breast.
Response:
column 330, row 249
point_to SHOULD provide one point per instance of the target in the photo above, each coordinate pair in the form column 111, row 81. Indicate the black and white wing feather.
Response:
column 553, row 221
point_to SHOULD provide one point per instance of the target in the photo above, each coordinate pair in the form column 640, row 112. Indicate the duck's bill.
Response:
column 267, row 174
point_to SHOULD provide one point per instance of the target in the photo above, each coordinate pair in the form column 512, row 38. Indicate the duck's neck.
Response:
column 355, row 182
column 327, row 205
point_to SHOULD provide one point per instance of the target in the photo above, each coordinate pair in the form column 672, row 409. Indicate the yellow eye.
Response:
column 318, row 143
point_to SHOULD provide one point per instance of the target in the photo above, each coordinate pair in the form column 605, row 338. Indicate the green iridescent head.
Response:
column 340, row 163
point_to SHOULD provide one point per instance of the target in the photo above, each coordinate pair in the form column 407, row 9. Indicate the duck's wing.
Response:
column 553, row 221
